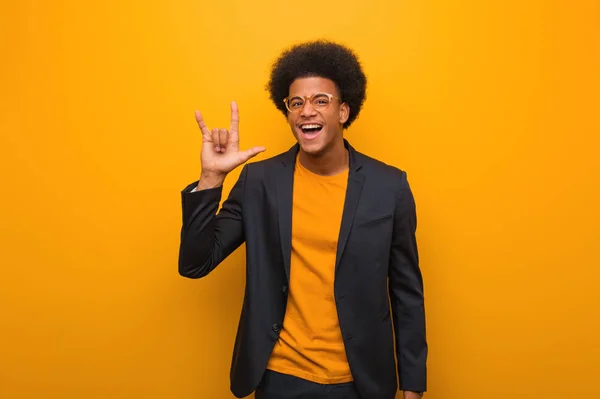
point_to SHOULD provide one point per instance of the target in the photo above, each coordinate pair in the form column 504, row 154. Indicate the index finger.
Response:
column 201, row 124
column 235, row 118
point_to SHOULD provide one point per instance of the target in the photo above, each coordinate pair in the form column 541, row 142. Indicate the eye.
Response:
column 320, row 100
column 296, row 103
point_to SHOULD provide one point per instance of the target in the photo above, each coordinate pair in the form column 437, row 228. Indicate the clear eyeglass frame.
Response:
column 312, row 99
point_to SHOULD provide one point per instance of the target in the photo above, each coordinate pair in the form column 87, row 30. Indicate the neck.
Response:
column 329, row 163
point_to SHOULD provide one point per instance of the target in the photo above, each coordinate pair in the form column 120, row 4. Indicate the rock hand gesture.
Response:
column 221, row 151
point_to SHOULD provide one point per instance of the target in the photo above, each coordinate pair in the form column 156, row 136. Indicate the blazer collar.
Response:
column 289, row 157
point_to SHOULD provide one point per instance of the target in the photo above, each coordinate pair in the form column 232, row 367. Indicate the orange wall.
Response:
column 493, row 108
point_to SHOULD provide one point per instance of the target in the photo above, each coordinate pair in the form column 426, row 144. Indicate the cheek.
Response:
column 333, row 119
column 290, row 120
column 292, row 123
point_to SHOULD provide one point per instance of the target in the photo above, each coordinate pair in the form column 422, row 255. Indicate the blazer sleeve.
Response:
column 207, row 237
column 406, row 294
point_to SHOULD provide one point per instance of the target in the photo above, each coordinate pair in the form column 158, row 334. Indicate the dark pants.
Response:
column 275, row 385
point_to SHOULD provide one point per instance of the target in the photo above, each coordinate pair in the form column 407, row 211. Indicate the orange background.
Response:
column 493, row 108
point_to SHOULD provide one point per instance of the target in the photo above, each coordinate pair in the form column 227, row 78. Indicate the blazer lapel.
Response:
column 355, row 184
column 285, row 186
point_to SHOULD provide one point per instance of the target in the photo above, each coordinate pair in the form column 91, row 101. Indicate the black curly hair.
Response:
column 323, row 59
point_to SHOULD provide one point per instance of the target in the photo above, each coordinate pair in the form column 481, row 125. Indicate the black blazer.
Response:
column 376, row 265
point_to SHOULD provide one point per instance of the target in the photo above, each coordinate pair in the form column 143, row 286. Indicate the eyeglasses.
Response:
column 319, row 101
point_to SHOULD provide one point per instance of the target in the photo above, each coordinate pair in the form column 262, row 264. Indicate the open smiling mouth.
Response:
column 311, row 130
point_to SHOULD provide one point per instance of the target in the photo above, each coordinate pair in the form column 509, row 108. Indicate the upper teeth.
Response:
column 311, row 126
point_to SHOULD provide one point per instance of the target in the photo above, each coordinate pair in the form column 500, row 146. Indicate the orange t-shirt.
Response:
column 310, row 344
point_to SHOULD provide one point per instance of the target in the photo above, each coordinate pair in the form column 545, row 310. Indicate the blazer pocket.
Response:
column 377, row 220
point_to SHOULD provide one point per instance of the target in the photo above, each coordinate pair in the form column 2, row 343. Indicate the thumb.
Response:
column 251, row 153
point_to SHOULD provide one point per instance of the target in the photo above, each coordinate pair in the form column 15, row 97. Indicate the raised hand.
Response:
column 221, row 151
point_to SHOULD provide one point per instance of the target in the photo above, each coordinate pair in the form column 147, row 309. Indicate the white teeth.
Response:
column 310, row 126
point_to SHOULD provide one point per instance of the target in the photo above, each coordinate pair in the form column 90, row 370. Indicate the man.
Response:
column 330, row 244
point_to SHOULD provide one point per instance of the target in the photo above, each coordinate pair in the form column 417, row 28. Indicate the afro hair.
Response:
column 323, row 59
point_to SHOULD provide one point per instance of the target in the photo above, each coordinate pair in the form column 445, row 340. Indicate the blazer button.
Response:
column 276, row 328
column 284, row 289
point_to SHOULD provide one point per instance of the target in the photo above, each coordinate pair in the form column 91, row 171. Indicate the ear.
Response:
column 344, row 113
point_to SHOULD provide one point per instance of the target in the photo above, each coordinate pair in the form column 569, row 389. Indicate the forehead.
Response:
column 312, row 85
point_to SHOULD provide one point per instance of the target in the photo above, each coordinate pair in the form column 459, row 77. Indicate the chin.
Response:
column 312, row 149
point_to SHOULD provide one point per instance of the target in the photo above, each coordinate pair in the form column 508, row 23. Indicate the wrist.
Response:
column 210, row 180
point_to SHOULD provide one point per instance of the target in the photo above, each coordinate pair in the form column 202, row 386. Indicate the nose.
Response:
column 307, row 110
